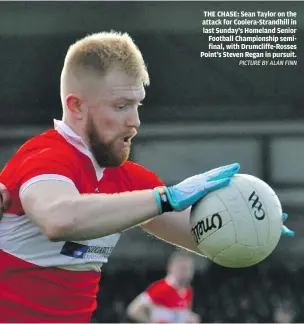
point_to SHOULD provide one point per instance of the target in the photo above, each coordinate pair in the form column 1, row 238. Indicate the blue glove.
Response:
column 285, row 231
column 189, row 191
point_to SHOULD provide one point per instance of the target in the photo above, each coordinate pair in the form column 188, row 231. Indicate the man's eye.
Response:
column 121, row 107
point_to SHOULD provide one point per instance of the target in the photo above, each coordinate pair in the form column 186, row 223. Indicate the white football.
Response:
column 239, row 225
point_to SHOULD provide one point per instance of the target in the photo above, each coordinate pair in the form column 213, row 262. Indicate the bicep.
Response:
column 44, row 178
column 40, row 198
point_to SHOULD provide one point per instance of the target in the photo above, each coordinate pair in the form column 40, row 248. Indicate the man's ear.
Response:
column 75, row 106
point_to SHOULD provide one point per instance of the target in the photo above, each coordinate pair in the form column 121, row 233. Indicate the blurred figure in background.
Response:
column 284, row 313
column 168, row 300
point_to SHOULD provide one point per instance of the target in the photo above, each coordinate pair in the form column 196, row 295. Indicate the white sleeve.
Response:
column 43, row 177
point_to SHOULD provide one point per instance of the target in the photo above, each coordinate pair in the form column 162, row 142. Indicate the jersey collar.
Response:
column 77, row 141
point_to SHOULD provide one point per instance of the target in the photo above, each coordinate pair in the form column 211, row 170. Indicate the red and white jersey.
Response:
column 170, row 305
column 44, row 281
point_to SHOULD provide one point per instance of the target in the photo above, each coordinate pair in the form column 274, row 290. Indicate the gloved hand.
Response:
column 189, row 191
column 285, row 230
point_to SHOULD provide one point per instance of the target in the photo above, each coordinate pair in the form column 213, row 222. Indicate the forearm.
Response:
column 194, row 318
column 173, row 228
column 92, row 216
column 139, row 311
column 140, row 316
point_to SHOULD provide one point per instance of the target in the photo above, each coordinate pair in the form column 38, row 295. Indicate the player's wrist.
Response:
column 162, row 200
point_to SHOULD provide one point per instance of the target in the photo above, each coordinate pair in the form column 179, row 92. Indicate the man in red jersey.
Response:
column 168, row 300
column 73, row 191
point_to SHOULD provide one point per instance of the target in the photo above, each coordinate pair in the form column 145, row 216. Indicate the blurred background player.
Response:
column 168, row 300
